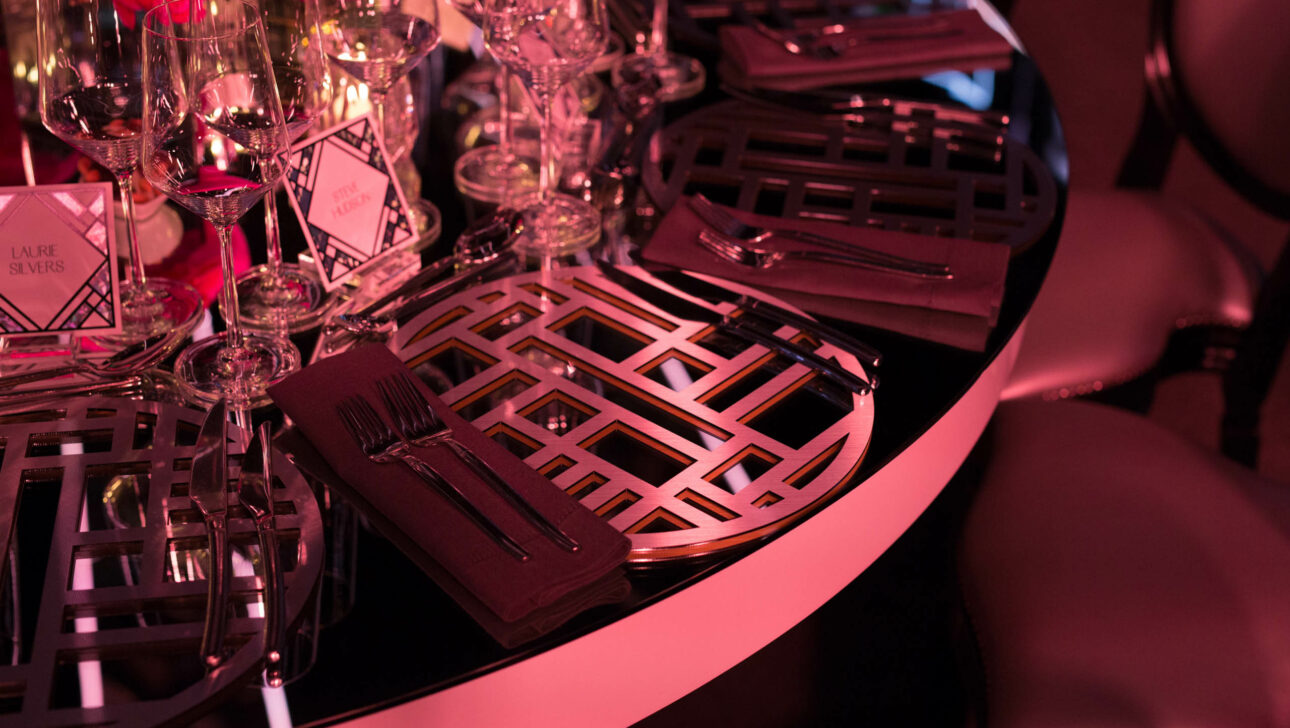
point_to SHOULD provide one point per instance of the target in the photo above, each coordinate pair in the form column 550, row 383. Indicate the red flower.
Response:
column 130, row 10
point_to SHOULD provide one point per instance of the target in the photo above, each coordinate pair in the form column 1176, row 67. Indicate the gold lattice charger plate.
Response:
column 686, row 439
column 103, row 594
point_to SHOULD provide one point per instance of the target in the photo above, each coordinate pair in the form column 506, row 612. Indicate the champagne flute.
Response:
column 215, row 141
column 379, row 41
column 548, row 45
column 494, row 173
column 680, row 76
column 91, row 97
column 280, row 296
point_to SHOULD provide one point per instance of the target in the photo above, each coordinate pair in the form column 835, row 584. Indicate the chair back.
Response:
column 1218, row 69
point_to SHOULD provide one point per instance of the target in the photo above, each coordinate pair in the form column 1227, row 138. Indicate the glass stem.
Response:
column 125, row 183
column 658, row 29
column 546, row 175
column 378, row 106
column 274, row 241
column 229, row 304
column 504, row 109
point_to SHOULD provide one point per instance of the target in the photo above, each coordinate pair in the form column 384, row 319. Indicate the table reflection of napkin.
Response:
column 885, row 48
column 959, row 311
column 514, row 601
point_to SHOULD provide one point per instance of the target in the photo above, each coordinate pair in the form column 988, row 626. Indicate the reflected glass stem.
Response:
column 658, row 30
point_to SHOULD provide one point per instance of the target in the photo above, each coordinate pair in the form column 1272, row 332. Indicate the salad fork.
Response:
column 722, row 221
column 747, row 254
column 420, row 425
column 381, row 445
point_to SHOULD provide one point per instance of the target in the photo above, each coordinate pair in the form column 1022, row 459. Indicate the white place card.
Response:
column 344, row 190
column 58, row 271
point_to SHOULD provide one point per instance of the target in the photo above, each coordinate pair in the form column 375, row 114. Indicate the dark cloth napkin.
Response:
column 959, row 311
column 514, row 601
column 887, row 47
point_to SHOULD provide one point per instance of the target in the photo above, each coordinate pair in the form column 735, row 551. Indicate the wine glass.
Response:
column 215, row 141
column 494, row 173
column 91, row 97
column 379, row 41
column 680, row 76
column 549, row 44
column 280, row 295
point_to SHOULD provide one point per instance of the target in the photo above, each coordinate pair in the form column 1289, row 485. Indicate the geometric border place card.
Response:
column 58, row 269
column 348, row 199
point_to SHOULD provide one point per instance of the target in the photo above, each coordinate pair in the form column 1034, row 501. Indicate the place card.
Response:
column 58, row 270
column 348, row 199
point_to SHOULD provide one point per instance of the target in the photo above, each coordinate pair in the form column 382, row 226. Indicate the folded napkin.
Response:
column 959, row 311
column 887, row 47
column 514, row 601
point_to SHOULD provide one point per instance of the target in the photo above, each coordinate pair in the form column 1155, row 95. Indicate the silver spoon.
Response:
column 131, row 360
column 482, row 245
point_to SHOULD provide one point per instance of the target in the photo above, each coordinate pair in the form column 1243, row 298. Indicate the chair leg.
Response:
column 1249, row 379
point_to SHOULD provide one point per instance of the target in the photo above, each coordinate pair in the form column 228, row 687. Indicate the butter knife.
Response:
column 255, row 493
column 208, row 490
column 713, row 291
column 682, row 308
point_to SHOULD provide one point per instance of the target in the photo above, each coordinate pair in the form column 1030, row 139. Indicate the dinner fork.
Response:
column 381, row 445
column 747, row 254
column 420, row 425
column 723, row 222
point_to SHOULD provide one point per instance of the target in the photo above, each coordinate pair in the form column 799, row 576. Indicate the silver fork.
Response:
column 723, row 222
column 747, row 254
column 379, row 443
column 420, row 425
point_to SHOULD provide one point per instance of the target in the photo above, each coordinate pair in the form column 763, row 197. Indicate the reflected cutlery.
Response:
column 255, row 493
column 420, row 425
column 379, row 443
column 710, row 291
column 720, row 219
column 128, row 361
column 679, row 307
column 208, row 490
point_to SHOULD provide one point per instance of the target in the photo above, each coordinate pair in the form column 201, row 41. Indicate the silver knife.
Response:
column 208, row 489
column 679, row 307
column 255, row 493
column 713, row 291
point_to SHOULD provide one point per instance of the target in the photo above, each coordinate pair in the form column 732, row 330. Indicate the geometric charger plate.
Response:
column 103, row 590
column 688, row 441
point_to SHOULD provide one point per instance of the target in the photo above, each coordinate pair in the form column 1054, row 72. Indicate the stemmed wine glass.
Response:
column 91, row 97
column 280, row 295
column 495, row 171
column 215, row 141
column 379, row 41
column 680, row 76
column 549, row 44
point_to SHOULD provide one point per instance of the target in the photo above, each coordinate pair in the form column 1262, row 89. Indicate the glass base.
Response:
column 680, row 76
column 292, row 301
column 558, row 225
column 494, row 175
column 161, row 306
column 210, row 369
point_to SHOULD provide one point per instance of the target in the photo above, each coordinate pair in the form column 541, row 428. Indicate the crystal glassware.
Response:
column 215, row 141
column 91, row 97
column 548, row 45
column 379, row 41
column 680, row 76
column 281, row 296
column 494, row 173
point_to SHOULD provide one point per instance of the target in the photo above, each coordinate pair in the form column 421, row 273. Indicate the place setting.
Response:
column 648, row 348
